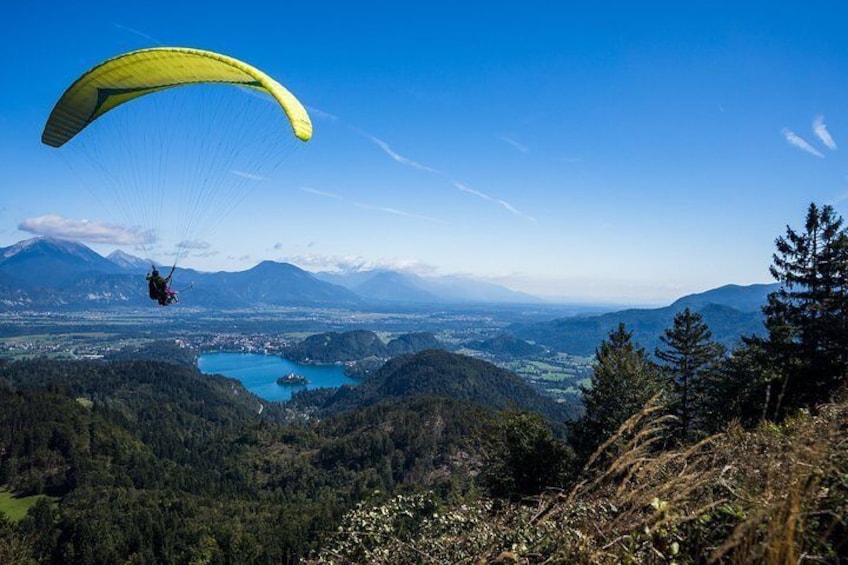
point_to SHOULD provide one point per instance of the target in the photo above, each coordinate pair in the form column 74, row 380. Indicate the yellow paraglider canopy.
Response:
column 137, row 73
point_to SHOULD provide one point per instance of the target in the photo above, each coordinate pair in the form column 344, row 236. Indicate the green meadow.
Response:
column 16, row 508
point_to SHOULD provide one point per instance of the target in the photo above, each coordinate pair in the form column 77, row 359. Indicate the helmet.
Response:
column 155, row 273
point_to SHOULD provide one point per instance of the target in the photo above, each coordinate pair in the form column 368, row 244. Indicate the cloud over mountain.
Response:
column 53, row 225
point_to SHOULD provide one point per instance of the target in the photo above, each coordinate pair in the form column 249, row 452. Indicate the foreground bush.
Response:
column 775, row 495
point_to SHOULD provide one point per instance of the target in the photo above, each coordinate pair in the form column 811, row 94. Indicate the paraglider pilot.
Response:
column 158, row 287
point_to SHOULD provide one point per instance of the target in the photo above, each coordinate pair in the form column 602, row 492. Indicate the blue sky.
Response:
column 629, row 152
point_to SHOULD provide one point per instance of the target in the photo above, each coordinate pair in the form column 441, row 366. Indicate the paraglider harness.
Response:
column 158, row 288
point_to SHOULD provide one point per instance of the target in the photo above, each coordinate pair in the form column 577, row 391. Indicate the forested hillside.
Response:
column 439, row 373
column 336, row 347
column 154, row 462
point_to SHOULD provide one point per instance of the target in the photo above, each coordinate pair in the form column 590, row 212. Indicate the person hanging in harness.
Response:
column 159, row 289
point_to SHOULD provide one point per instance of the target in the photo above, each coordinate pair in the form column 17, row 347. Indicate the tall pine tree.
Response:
column 807, row 316
column 691, row 361
column 623, row 380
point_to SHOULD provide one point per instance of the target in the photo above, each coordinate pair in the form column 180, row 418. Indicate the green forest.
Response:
column 690, row 453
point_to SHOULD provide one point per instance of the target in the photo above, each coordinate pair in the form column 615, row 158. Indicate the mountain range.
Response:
column 386, row 286
column 48, row 273
column 730, row 311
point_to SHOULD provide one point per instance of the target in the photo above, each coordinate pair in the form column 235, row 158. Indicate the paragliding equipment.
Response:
column 184, row 289
column 159, row 288
column 188, row 135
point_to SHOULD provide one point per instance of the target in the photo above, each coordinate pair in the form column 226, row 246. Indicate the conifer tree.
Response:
column 807, row 317
column 691, row 361
column 623, row 380
column 523, row 457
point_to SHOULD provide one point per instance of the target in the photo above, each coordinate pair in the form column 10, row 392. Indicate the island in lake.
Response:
column 292, row 379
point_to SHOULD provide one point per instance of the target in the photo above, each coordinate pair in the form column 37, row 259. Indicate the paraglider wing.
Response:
column 137, row 73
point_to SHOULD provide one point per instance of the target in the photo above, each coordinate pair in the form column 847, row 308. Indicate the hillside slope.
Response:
column 154, row 462
column 581, row 335
column 773, row 495
column 449, row 375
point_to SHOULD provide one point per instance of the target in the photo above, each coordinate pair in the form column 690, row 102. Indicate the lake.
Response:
column 259, row 373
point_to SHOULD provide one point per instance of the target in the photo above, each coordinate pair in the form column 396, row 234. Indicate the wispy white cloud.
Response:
column 396, row 212
column 503, row 203
column 85, row 230
column 386, row 148
column 395, row 155
column 318, row 113
column 138, row 33
column 794, row 139
column 249, row 176
column 357, row 263
column 317, row 192
column 312, row 262
column 469, row 190
column 517, row 145
column 821, row 132
column 194, row 244
column 513, row 210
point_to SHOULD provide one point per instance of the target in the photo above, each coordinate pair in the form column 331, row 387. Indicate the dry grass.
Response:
column 777, row 495
column 796, row 494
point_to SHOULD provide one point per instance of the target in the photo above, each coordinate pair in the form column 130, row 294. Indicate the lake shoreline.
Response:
column 258, row 373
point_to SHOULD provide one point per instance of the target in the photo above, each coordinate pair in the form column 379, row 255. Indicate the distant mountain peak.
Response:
column 127, row 261
column 49, row 246
column 730, row 311
column 748, row 298
column 49, row 262
column 392, row 286
column 268, row 266
column 120, row 254
column 51, row 243
column 386, row 285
